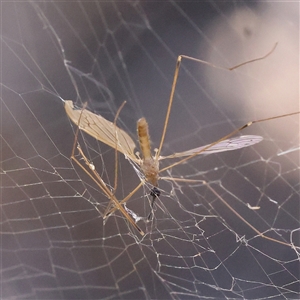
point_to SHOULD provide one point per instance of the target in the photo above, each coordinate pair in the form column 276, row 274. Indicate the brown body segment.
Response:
column 149, row 165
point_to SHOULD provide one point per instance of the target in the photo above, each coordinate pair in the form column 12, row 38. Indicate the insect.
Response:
column 108, row 133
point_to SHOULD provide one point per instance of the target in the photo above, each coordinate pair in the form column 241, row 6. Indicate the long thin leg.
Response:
column 98, row 180
column 116, row 146
column 176, row 73
column 112, row 210
column 228, row 206
column 116, row 158
column 155, row 193
column 101, row 184
column 224, row 138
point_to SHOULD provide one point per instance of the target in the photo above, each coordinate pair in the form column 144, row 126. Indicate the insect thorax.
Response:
column 150, row 167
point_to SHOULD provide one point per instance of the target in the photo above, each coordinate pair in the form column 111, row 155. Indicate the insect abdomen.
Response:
column 144, row 138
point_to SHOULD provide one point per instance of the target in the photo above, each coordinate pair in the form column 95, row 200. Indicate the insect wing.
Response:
column 226, row 145
column 101, row 129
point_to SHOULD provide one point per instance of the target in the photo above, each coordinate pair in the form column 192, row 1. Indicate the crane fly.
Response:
column 113, row 136
column 108, row 133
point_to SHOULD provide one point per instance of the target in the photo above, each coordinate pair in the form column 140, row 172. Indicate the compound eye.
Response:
column 155, row 192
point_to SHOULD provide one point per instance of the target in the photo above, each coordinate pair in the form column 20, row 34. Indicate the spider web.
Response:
column 54, row 244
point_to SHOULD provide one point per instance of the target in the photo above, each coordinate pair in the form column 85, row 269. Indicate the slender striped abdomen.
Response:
column 144, row 138
column 149, row 165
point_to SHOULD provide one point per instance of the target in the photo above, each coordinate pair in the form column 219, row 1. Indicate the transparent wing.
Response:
column 102, row 130
column 226, row 145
